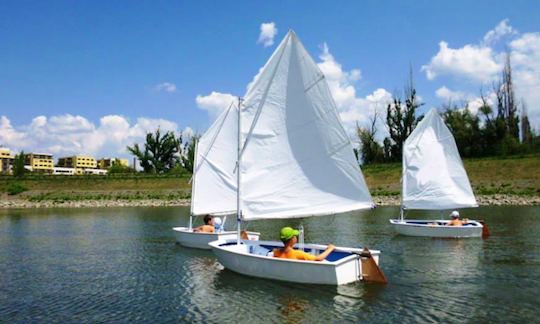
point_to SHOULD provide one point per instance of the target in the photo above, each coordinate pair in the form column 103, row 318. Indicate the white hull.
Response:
column 344, row 266
column 198, row 240
column 436, row 228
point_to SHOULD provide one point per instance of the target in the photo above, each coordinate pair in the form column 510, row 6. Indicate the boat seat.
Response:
column 258, row 250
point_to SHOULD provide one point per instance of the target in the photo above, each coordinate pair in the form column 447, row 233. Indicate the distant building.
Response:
column 78, row 162
column 6, row 160
column 106, row 163
column 39, row 162
column 95, row 171
column 65, row 171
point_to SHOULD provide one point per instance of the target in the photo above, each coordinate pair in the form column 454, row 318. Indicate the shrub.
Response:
column 15, row 188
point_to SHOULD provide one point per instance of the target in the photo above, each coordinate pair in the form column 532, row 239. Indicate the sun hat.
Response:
column 454, row 214
column 287, row 233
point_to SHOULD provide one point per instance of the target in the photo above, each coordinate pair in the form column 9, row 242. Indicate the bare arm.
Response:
column 326, row 253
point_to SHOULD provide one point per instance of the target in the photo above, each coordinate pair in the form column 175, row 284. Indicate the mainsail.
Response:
column 296, row 160
column 433, row 174
column 214, row 182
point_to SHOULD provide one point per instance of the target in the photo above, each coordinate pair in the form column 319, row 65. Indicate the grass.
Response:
column 518, row 175
column 513, row 175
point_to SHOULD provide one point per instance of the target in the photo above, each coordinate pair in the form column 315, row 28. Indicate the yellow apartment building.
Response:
column 6, row 160
column 78, row 162
column 106, row 163
column 39, row 162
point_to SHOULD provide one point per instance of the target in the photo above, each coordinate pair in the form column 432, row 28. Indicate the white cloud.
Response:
column 352, row 108
column 449, row 95
column 165, row 87
column 268, row 32
column 483, row 63
column 474, row 62
column 67, row 134
column 215, row 102
column 501, row 30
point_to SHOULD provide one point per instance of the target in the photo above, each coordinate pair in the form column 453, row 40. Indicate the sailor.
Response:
column 455, row 221
column 208, row 226
column 289, row 237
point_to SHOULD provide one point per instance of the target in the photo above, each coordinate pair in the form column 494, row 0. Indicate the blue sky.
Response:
column 65, row 65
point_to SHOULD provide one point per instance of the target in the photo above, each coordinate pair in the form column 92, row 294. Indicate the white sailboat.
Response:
column 295, row 160
column 434, row 178
column 214, row 183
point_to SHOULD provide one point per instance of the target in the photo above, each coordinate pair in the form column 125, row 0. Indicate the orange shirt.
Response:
column 294, row 254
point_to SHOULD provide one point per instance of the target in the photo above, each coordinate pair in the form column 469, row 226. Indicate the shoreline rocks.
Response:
column 487, row 200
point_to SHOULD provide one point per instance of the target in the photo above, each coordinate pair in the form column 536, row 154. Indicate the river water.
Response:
column 122, row 264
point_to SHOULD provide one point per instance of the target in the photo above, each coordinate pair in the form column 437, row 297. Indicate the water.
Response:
column 110, row 265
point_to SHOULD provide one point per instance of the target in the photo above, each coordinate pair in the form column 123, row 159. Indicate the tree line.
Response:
column 496, row 129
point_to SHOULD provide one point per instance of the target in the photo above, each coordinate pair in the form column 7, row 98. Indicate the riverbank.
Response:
column 483, row 200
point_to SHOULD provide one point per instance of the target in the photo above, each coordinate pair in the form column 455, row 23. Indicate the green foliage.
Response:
column 401, row 120
column 118, row 168
column 188, row 158
column 371, row 151
column 161, row 152
column 18, row 165
column 15, row 188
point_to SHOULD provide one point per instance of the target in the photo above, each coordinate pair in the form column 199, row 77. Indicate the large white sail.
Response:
column 297, row 160
column 214, row 182
column 433, row 174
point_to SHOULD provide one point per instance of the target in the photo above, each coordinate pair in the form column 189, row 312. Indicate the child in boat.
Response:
column 208, row 226
column 289, row 237
column 455, row 219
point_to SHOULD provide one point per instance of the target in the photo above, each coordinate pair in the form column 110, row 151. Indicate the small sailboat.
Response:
column 434, row 178
column 295, row 160
column 213, row 190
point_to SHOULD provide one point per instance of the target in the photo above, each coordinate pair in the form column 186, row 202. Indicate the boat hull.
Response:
column 429, row 229
column 186, row 237
column 346, row 268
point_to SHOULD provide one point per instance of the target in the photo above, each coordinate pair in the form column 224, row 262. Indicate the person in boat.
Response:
column 289, row 237
column 208, row 226
column 455, row 221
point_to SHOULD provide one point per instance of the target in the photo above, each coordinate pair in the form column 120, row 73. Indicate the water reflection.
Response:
column 122, row 265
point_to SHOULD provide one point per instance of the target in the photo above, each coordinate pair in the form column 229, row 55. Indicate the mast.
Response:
column 238, row 211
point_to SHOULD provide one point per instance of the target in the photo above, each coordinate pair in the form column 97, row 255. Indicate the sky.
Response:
column 91, row 77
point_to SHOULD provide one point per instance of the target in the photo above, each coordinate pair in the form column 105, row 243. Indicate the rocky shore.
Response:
column 486, row 200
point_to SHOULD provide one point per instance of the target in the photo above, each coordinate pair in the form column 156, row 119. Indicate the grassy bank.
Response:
column 488, row 176
column 517, row 176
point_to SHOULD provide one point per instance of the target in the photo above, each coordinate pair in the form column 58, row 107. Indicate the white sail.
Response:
column 433, row 174
column 214, row 181
column 297, row 160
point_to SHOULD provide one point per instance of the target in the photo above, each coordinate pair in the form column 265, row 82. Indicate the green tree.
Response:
column 370, row 151
column 117, row 168
column 188, row 156
column 18, row 165
column 465, row 126
column 161, row 152
column 401, row 118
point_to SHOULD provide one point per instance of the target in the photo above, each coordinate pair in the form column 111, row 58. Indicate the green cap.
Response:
column 287, row 233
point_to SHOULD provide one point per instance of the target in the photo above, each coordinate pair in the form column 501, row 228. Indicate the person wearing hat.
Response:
column 289, row 237
column 455, row 221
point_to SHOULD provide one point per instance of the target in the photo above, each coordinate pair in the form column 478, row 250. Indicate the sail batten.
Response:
column 433, row 174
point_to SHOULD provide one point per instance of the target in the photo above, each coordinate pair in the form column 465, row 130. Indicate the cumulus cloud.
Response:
column 501, row 30
column 482, row 64
column 449, row 95
column 471, row 61
column 352, row 108
column 268, row 32
column 215, row 102
column 165, row 87
column 68, row 134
